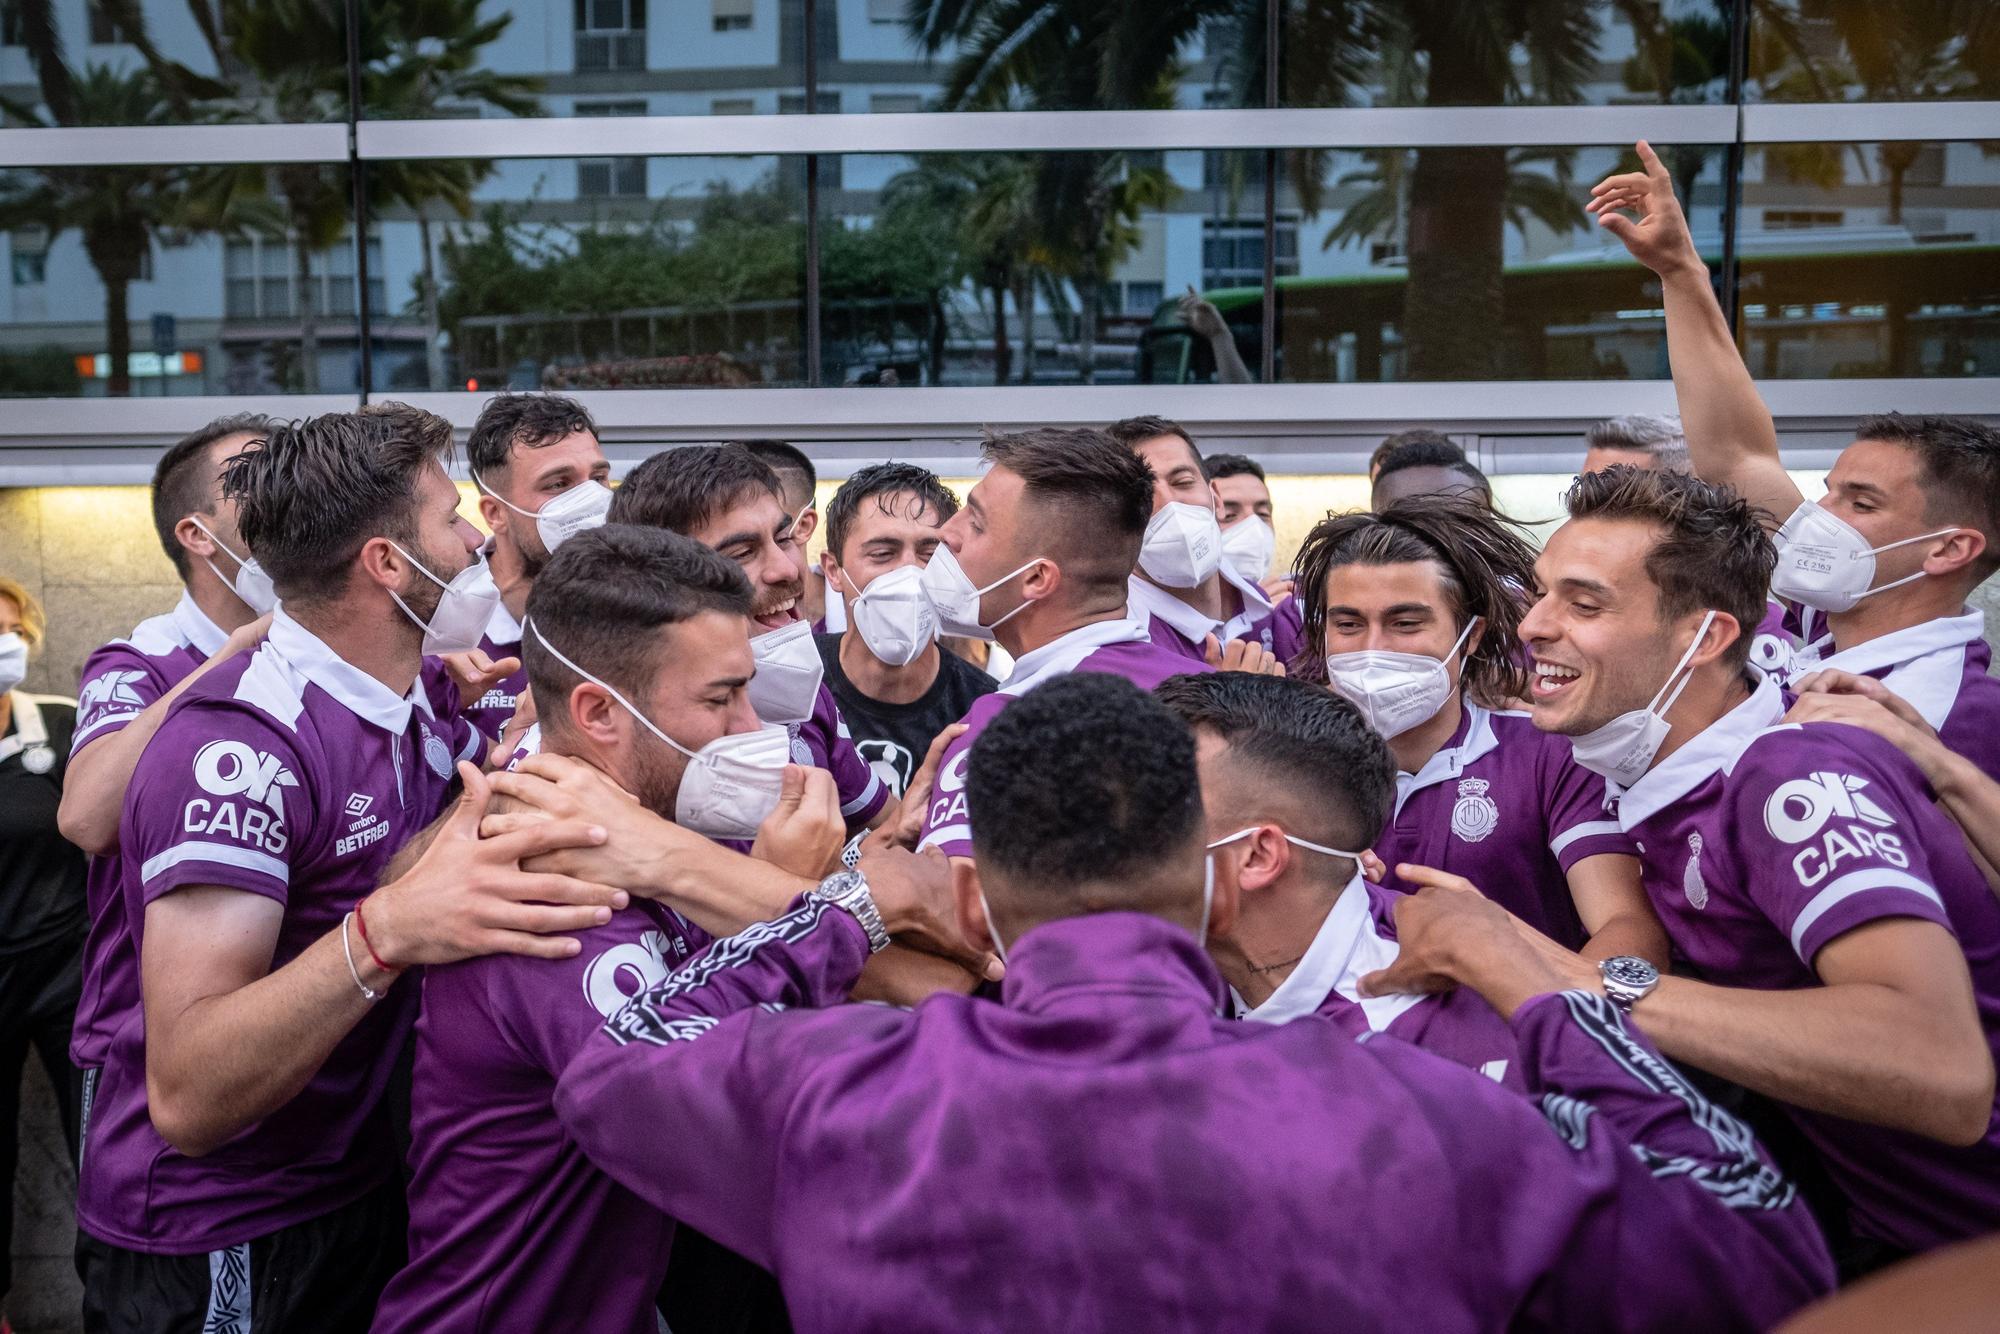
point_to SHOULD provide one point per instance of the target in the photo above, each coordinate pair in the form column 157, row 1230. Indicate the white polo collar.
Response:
column 1713, row 750
column 1448, row 762
column 195, row 627
column 361, row 694
column 501, row 627
column 1345, row 949
column 1926, row 661
column 29, row 729
column 1149, row 599
column 1061, row 654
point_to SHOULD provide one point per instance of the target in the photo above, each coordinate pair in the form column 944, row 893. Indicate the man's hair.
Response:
column 1661, row 437
column 1086, row 780
column 1315, row 752
column 1135, row 431
column 182, row 485
column 682, row 489
column 1098, row 492
column 1428, row 449
column 532, row 421
column 1233, row 465
column 1711, row 550
column 882, row 483
column 1420, row 436
column 796, row 474
column 34, row 621
column 317, row 490
column 604, row 596
column 1487, row 570
column 1959, row 470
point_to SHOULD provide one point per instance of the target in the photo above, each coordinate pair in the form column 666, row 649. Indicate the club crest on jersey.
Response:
column 625, row 971
column 38, row 759
column 1798, row 810
column 801, row 752
column 1475, row 816
column 1692, row 884
column 436, row 753
column 111, row 688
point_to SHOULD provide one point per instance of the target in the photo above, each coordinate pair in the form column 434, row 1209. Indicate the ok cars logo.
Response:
column 233, row 769
column 1800, row 809
column 112, row 688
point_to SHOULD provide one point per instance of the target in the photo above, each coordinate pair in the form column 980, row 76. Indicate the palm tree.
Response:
column 1531, row 195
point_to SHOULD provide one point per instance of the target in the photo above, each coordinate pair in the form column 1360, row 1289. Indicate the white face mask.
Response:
column 730, row 785
column 894, row 616
column 786, row 686
column 1183, row 546
column 251, row 585
column 13, row 661
column 1825, row 563
column 565, row 515
column 1623, row 749
column 1248, row 546
column 464, row 609
column 1395, row 691
column 956, row 598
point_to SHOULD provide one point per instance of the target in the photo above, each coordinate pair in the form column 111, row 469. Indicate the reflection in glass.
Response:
column 1854, row 50
column 542, row 281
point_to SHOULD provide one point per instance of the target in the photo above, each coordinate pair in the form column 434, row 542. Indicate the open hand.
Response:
column 475, row 672
column 1832, row 696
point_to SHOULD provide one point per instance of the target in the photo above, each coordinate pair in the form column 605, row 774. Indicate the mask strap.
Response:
column 421, row 569
column 607, row 688
column 1893, row 583
column 240, row 560
column 1207, row 901
column 1463, row 635
column 992, row 927
column 793, row 527
column 1891, row 546
column 486, row 490
column 1004, row 578
column 1298, row 842
column 1655, row 707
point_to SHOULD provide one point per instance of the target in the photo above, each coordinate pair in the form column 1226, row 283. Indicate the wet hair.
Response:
column 1094, row 497
column 182, row 485
column 1485, row 566
column 1430, row 450
column 603, row 597
column 314, row 491
column 1959, row 470
column 531, row 421
column 682, row 489
column 1085, row 780
column 882, row 483
column 1233, row 465
column 797, row 477
column 1711, row 548
column 1313, row 749
column 1660, row 437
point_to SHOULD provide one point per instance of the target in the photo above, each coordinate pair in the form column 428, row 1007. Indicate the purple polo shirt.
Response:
column 121, row 680
column 288, row 773
column 823, row 741
column 1507, row 806
column 1774, row 646
column 1357, row 938
column 1179, row 628
column 1760, row 843
column 1120, row 647
column 495, row 709
column 510, row 1225
column 1103, row 1150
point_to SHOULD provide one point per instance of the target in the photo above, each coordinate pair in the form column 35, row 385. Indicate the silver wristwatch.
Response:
column 848, row 891
column 1628, row 979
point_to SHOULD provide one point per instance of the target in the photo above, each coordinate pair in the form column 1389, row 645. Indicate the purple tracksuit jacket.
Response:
column 1103, row 1152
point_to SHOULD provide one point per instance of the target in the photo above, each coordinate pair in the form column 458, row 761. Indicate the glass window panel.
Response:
column 1906, row 51
column 1870, row 259
column 1422, row 53
column 697, row 280
column 1464, row 264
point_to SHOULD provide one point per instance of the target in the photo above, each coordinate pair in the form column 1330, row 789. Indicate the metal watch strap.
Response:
column 848, row 891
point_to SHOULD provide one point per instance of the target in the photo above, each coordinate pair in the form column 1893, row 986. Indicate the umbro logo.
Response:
column 358, row 804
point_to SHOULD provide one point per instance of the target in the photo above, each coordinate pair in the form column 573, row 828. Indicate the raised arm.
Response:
column 1730, row 435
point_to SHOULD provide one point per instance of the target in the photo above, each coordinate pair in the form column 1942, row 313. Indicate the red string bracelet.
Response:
column 362, row 922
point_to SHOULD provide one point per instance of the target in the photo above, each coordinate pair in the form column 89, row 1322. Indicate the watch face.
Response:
column 1629, row 971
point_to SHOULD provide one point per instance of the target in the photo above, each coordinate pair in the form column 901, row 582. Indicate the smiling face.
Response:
column 756, row 532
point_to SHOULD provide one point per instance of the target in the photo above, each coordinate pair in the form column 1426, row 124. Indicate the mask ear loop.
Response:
column 1686, row 657
column 1908, row 578
column 606, row 687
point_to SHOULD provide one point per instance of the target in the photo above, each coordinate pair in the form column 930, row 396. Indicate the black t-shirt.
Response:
column 894, row 737
column 41, row 873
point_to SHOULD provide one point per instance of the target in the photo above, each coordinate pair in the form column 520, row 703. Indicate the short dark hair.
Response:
column 1959, row 469
column 1135, row 431
column 1421, row 435
column 1101, row 491
column 315, row 490
column 790, row 463
column 182, row 486
column 682, row 489
column 1488, row 571
column 1233, row 465
column 1428, row 449
column 882, row 482
column 532, row 421
column 1712, row 550
column 1314, row 746
column 605, row 593
column 1085, row 779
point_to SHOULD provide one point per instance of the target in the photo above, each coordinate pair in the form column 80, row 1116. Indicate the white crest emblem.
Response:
column 1800, row 809
column 38, row 759
column 1692, row 884
column 801, row 752
column 436, row 753
column 1475, row 816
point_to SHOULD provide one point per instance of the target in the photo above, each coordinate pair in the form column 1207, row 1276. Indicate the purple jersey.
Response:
column 121, row 680
column 1179, row 628
column 1103, row 1150
column 289, row 773
column 1357, row 938
column 510, row 1225
column 1120, row 647
column 1774, row 645
column 823, row 741
column 495, row 709
column 1762, row 842
column 1507, row 806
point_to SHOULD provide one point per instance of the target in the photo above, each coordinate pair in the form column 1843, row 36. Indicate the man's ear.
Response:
column 379, row 560
column 594, row 714
column 492, row 513
column 829, row 570
column 807, row 525
column 193, row 540
column 972, row 920
column 1961, row 549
